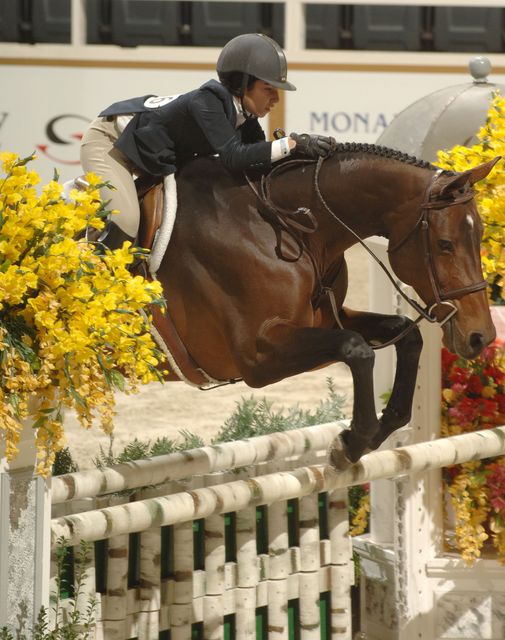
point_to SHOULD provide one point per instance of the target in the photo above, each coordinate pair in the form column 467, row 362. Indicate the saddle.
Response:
column 151, row 198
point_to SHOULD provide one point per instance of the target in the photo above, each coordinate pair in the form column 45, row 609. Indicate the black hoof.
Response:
column 354, row 445
column 376, row 442
column 389, row 423
column 337, row 456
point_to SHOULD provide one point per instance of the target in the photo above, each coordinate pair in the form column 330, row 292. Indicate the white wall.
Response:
column 47, row 108
column 358, row 106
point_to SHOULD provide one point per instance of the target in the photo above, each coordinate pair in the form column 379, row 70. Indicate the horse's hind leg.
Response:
column 379, row 329
column 285, row 350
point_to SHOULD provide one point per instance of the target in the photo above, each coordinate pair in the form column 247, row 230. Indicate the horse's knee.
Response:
column 355, row 349
column 413, row 339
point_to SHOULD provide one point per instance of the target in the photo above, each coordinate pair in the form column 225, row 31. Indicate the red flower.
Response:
column 459, row 375
column 465, row 412
column 500, row 399
column 448, row 359
column 451, row 473
column 488, row 408
column 475, row 385
column 493, row 351
column 494, row 373
column 496, row 483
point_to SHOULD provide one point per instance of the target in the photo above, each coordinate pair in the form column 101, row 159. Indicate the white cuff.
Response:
column 280, row 149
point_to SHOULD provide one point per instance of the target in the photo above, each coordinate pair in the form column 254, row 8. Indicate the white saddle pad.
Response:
column 164, row 233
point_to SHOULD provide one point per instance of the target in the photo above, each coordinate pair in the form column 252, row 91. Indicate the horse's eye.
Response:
column 446, row 246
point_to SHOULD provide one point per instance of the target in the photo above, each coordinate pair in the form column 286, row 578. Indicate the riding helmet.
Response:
column 255, row 54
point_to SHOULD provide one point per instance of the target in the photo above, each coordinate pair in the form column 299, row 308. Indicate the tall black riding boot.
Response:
column 115, row 237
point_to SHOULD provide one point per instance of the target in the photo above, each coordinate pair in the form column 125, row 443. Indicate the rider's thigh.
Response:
column 98, row 155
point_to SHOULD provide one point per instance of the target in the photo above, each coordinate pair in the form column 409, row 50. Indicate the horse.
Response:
column 255, row 275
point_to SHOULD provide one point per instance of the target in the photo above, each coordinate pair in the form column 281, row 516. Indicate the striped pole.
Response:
column 271, row 488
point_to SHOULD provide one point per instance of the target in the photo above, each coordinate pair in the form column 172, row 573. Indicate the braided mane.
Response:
column 384, row 152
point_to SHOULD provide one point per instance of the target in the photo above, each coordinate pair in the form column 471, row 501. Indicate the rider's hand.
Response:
column 313, row 146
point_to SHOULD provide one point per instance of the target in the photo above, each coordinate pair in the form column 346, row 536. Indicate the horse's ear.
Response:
column 459, row 180
column 482, row 170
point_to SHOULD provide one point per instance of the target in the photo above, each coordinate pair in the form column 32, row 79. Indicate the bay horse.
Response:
column 255, row 275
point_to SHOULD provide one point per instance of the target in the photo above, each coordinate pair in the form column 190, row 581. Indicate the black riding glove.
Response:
column 313, row 146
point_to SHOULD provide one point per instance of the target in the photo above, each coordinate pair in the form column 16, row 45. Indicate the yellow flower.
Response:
column 488, row 391
column 70, row 318
column 470, row 501
column 360, row 521
column 490, row 191
column 448, row 395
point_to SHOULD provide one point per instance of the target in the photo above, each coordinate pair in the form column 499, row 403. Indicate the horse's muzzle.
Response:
column 467, row 346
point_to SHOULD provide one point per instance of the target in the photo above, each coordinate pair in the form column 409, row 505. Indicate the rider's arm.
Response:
column 282, row 148
column 239, row 149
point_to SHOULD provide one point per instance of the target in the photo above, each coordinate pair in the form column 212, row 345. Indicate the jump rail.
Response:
column 175, row 466
column 258, row 572
column 235, row 496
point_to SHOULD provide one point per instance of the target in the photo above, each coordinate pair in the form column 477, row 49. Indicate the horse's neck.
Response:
column 371, row 196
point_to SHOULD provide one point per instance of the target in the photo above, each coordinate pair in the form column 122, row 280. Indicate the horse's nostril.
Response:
column 477, row 341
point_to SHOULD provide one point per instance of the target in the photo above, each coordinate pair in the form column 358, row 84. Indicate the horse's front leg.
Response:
column 379, row 329
column 284, row 350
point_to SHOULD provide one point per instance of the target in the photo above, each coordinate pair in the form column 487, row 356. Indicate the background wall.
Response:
column 46, row 107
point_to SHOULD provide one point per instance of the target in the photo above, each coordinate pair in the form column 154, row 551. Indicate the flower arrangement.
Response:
column 72, row 327
column 490, row 192
column 473, row 393
column 473, row 397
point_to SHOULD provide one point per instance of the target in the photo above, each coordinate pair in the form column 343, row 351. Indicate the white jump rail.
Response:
column 293, row 566
column 174, row 466
column 234, row 496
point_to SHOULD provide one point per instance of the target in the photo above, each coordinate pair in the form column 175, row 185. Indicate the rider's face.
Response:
column 261, row 98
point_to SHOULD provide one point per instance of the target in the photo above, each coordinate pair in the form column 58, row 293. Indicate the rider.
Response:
column 152, row 135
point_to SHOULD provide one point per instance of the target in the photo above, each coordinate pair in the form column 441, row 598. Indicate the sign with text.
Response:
column 51, row 119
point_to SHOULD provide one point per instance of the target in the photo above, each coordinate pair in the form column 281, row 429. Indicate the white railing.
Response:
column 316, row 563
column 175, row 466
column 280, row 485
column 299, row 565
column 270, row 542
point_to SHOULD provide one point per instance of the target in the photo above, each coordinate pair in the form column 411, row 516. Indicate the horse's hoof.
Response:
column 337, row 457
column 376, row 443
column 390, row 421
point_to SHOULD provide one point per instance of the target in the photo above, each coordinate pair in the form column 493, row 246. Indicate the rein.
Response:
column 284, row 219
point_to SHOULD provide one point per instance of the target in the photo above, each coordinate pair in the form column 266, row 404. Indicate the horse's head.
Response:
column 440, row 258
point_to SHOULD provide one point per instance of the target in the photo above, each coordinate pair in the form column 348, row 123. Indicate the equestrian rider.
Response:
column 152, row 135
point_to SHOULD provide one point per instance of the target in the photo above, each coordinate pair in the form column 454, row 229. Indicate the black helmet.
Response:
column 256, row 55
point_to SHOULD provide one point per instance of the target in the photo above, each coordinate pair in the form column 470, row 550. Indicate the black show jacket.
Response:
column 201, row 122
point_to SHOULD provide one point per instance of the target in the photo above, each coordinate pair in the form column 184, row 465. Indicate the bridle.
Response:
column 441, row 296
column 284, row 220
